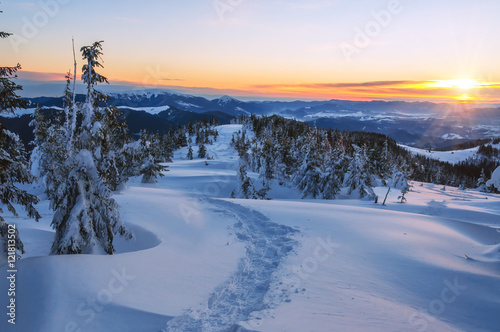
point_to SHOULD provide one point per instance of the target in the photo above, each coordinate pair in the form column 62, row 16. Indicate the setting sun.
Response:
column 465, row 97
column 467, row 84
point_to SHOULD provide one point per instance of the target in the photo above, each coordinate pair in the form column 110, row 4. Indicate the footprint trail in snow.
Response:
column 267, row 245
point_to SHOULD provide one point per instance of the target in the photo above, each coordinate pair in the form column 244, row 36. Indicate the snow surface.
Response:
column 224, row 100
column 150, row 110
column 495, row 179
column 452, row 157
column 202, row 262
column 335, row 115
column 18, row 112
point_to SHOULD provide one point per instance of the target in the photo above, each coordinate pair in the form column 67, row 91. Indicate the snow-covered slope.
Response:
column 495, row 179
column 202, row 262
column 452, row 157
column 150, row 110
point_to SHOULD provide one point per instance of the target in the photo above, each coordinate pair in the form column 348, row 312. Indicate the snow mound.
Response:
column 142, row 240
column 202, row 263
column 495, row 179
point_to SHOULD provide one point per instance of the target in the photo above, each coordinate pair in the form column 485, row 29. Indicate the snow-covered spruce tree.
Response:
column 245, row 184
column 262, row 192
column 332, row 180
column 151, row 168
column 261, row 160
column 166, row 149
column 267, row 157
column 13, row 163
column 49, row 157
column 493, row 184
column 202, row 151
column 112, row 139
column 311, row 174
column 133, row 157
column 359, row 179
column 14, row 171
column 86, row 216
column 156, row 147
column 40, row 126
column 481, row 182
column 286, row 162
column 180, row 139
column 438, row 176
column 245, row 187
column 190, row 153
column 385, row 166
column 401, row 177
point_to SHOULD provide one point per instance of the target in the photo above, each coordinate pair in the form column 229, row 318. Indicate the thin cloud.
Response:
column 337, row 85
column 172, row 79
column 37, row 76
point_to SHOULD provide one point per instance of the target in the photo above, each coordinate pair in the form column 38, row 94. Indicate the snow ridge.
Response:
column 267, row 245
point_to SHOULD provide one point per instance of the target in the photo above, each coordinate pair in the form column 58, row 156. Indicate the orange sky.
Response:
column 464, row 90
column 300, row 49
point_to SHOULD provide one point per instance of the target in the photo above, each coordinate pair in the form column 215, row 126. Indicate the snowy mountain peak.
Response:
column 224, row 100
column 147, row 94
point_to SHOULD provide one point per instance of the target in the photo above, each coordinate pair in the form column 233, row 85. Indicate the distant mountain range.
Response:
column 420, row 124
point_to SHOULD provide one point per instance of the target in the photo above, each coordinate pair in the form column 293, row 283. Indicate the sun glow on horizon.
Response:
column 465, row 97
column 448, row 91
column 464, row 84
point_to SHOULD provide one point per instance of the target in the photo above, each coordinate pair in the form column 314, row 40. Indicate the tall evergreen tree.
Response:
column 359, row 177
column 401, row 180
column 13, row 163
column 245, row 184
column 202, row 151
column 49, row 156
column 151, row 168
column 332, row 180
column 190, row 153
column 86, row 216
column 481, row 182
column 112, row 140
column 385, row 165
column 311, row 178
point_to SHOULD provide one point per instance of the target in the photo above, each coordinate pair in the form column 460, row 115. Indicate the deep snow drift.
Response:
column 203, row 262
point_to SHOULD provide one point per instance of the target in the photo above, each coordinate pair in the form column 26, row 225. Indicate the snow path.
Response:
column 267, row 245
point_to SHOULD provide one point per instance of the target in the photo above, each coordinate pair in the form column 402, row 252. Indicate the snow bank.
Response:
column 350, row 265
column 495, row 180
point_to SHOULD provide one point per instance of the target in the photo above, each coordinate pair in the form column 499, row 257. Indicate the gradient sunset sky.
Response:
column 436, row 50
